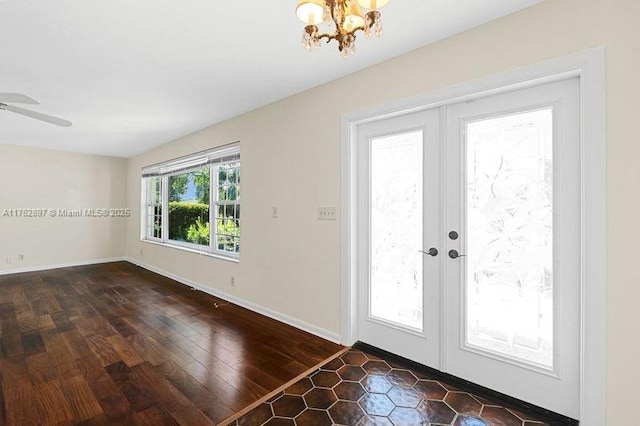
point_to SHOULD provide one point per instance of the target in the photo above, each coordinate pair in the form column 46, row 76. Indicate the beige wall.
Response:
column 38, row 178
column 291, row 159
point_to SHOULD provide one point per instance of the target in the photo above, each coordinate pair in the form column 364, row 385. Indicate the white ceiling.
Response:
column 135, row 74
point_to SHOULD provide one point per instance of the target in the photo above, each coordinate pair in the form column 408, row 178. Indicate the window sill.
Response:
column 191, row 250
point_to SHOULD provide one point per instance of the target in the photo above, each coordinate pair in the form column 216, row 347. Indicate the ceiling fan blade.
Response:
column 38, row 116
column 17, row 98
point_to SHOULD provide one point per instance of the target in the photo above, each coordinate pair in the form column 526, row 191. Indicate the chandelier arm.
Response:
column 329, row 37
column 336, row 36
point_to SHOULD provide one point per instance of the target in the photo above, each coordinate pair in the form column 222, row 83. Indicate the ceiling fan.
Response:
column 18, row 98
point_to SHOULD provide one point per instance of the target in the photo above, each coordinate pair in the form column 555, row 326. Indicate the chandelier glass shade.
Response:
column 346, row 17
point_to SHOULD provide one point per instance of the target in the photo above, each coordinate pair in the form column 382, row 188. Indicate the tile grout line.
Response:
column 291, row 382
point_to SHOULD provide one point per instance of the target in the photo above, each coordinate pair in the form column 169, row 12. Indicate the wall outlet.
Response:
column 327, row 213
column 20, row 257
column 142, row 252
column 274, row 212
column 233, row 281
column 9, row 260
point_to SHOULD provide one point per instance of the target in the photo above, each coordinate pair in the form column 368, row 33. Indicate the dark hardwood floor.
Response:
column 114, row 343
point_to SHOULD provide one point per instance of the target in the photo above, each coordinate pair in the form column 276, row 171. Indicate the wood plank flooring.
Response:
column 116, row 344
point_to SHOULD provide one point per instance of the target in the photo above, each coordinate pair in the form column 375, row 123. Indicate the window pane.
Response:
column 232, row 176
column 509, row 285
column 396, row 229
column 228, row 209
column 237, row 219
column 157, row 222
column 154, row 208
column 189, row 207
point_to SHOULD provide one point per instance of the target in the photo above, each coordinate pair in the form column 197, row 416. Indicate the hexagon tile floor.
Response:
column 362, row 389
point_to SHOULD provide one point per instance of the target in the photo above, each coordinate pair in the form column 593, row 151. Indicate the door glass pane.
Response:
column 509, row 284
column 396, row 229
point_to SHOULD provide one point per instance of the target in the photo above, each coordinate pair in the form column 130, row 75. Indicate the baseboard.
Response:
column 61, row 265
column 309, row 328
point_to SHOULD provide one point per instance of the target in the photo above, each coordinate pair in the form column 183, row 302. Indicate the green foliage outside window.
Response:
column 199, row 233
column 178, row 185
column 201, row 181
column 183, row 216
column 189, row 215
column 189, row 197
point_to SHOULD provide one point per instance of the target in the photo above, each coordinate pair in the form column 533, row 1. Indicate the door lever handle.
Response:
column 432, row 252
column 454, row 254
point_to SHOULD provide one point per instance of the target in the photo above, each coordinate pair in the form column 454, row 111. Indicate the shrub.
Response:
column 199, row 233
column 183, row 216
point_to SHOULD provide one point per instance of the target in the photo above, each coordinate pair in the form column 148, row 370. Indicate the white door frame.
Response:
column 589, row 65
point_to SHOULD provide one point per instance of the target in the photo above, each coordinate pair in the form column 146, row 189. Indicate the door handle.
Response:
column 432, row 252
column 454, row 254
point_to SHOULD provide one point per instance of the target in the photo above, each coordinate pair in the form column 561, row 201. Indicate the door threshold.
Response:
column 507, row 401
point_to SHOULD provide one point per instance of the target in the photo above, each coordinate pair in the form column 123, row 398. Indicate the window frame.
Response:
column 217, row 157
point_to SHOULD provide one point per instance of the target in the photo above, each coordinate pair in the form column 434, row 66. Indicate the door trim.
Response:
column 589, row 66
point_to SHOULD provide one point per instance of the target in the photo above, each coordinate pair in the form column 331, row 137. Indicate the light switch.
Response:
column 327, row 213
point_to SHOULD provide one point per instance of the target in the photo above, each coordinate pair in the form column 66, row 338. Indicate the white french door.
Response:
column 469, row 241
column 399, row 175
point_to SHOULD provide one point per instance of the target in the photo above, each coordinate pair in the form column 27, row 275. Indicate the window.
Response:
column 194, row 202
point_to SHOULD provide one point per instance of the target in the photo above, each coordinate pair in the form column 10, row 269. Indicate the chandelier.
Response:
column 345, row 16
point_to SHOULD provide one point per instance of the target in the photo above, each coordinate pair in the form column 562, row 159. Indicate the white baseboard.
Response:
column 61, row 265
column 309, row 328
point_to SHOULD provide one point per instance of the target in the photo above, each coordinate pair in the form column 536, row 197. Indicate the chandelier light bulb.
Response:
column 353, row 18
column 373, row 4
column 310, row 11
